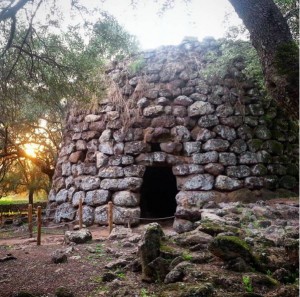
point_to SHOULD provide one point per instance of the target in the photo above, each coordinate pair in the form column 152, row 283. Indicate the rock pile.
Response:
column 219, row 135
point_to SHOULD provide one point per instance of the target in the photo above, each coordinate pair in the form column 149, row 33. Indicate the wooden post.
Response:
column 39, row 225
column 30, row 220
column 80, row 213
column 110, row 216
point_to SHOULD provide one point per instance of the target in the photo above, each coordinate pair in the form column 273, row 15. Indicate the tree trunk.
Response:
column 30, row 196
column 278, row 53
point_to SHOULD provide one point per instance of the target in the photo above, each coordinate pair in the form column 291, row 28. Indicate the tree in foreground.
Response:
column 43, row 72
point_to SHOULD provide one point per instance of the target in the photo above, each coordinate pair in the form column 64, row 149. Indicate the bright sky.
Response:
column 199, row 18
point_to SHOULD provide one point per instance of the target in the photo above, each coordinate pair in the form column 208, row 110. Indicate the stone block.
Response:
column 88, row 215
column 107, row 147
column 200, row 108
column 180, row 133
column 240, row 171
column 111, row 172
column 227, row 159
column 101, row 159
column 192, row 147
column 186, row 169
column 273, row 147
column 239, row 146
column 136, row 147
column 126, row 199
column 208, row 121
column 62, row 196
column 198, row 198
column 254, row 182
column 224, row 110
column 127, row 183
column 259, row 170
column 262, row 132
column 76, row 198
column 227, row 183
column 205, row 158
column 214, row 168
column 153, row 111
column 65, row 211
column 66, row 168
column 225, row 132
column 87, row 183
column 195, row 182
column 219, row 145
column 248, row 158
column 134, row 170
column 76, row 157
column 124, row 215
column 171, row 147
column 80, row 145
column 233, row 121
column 166, row 121
column 97, row 197
column 100, row 215
column 183, row 101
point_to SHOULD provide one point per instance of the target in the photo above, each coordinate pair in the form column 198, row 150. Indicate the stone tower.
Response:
column 167, row 140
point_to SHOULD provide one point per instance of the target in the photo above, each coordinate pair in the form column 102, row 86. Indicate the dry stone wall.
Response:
column 221, row 137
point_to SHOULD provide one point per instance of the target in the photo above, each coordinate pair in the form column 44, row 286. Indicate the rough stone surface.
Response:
column 216, row 135
column 149, row 250
column 80, row 236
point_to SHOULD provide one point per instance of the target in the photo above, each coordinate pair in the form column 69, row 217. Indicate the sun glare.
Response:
column 31, row 149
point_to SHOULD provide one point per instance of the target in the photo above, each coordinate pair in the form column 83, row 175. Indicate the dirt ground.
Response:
column 33, row 271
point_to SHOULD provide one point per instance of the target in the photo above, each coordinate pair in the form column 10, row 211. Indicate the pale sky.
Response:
column 199, row 18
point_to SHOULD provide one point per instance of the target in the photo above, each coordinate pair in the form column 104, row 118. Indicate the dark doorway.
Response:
column 158, row 193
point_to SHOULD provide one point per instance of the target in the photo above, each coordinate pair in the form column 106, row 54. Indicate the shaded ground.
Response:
column 83, row 274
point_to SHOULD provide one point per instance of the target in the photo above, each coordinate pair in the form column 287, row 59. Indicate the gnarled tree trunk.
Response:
column 272, row 39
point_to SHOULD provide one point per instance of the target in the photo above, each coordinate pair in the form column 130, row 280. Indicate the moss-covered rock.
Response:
column 262, row 132
column 149, row 250
column 259, row 170
column 254, row 145
column 292, row 169
column 229, row 248
column 213, row 228
column 273, row 147
column 288, row 182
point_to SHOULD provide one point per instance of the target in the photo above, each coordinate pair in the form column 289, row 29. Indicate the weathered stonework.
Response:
column 218, row 136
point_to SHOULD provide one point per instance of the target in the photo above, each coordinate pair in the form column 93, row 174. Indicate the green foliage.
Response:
column 145, row 293
column 228, row 53
column 186, row 256
column 247, row 283
column 136, row 65
column 45, row 71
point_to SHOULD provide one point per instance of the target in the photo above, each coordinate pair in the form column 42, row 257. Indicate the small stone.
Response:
column 63, row 292
column 59, row 256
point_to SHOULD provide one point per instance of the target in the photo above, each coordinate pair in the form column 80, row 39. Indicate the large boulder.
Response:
column 80, row 236
column 149, row 250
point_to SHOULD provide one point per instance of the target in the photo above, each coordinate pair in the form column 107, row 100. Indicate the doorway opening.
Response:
column 158, row 193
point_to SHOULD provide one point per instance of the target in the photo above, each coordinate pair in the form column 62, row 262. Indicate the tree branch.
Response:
column 11, row 11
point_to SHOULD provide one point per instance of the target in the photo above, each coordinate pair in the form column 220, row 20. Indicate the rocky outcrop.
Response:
column 219, row 135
